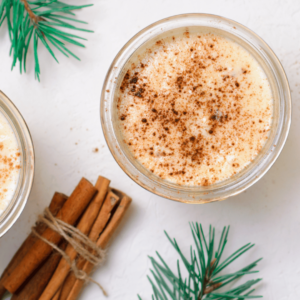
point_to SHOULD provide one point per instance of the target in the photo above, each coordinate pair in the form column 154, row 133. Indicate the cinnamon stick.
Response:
column 69, row 213
column 111, row 201
column 67, row 286
column 35, row 286
column 56, row 204
column 84, row 226
column 114, row 223
column 102, row 242
column 57, row 295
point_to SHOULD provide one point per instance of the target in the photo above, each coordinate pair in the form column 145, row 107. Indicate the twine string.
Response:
column 80, row 242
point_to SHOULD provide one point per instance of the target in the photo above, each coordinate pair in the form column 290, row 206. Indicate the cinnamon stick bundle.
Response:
column 39, row 272
column 69, row 213
column 55, row 205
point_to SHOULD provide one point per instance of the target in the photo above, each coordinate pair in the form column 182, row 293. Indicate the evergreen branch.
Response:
column 203, row 268
column 31, row 21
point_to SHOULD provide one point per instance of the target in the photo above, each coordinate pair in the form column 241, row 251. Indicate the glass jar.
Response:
column 278, row 131
column 22, row 191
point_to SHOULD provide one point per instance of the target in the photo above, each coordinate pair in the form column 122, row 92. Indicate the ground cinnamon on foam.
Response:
column 10, row 160
column 9, row 165
column 196, row 109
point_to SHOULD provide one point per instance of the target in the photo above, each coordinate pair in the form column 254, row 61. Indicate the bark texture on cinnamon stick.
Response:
column 57, row 295
column 35, row 286
column 72, row 286
column 84, row 225
column 110, row 202
column 69, row 213
column 56, row 204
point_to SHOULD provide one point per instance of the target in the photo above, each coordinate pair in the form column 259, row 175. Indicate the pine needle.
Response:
column 203, row 268
column 29, row 22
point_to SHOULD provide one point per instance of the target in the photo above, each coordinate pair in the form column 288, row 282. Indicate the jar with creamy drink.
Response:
column 16, row 163
column 196, row 108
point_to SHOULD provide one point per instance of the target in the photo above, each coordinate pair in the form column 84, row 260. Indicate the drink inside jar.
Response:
column 10, row 163
column 196, row 108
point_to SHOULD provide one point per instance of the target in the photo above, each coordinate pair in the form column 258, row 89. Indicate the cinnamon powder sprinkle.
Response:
column 196, row 110
column 8, row 165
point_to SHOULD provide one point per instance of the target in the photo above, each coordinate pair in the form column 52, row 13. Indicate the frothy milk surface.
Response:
column 10, row 162
column 196, row 109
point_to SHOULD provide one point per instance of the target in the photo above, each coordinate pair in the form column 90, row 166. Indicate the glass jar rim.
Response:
column 185, row 193
column 15, row 208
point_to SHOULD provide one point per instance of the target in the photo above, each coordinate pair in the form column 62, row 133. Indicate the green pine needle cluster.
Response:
column 41, row 21
column 204, row 268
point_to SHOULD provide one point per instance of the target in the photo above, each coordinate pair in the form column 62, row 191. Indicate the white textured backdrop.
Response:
column 63, row 116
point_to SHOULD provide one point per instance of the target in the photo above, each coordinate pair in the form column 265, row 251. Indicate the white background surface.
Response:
column 63, row 116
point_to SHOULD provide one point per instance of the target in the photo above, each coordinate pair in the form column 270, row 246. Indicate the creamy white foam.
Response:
column 196, row 109
column 10, row 162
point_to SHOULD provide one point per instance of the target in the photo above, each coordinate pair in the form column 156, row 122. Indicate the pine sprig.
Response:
column 204, row 267
column 43, row 21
